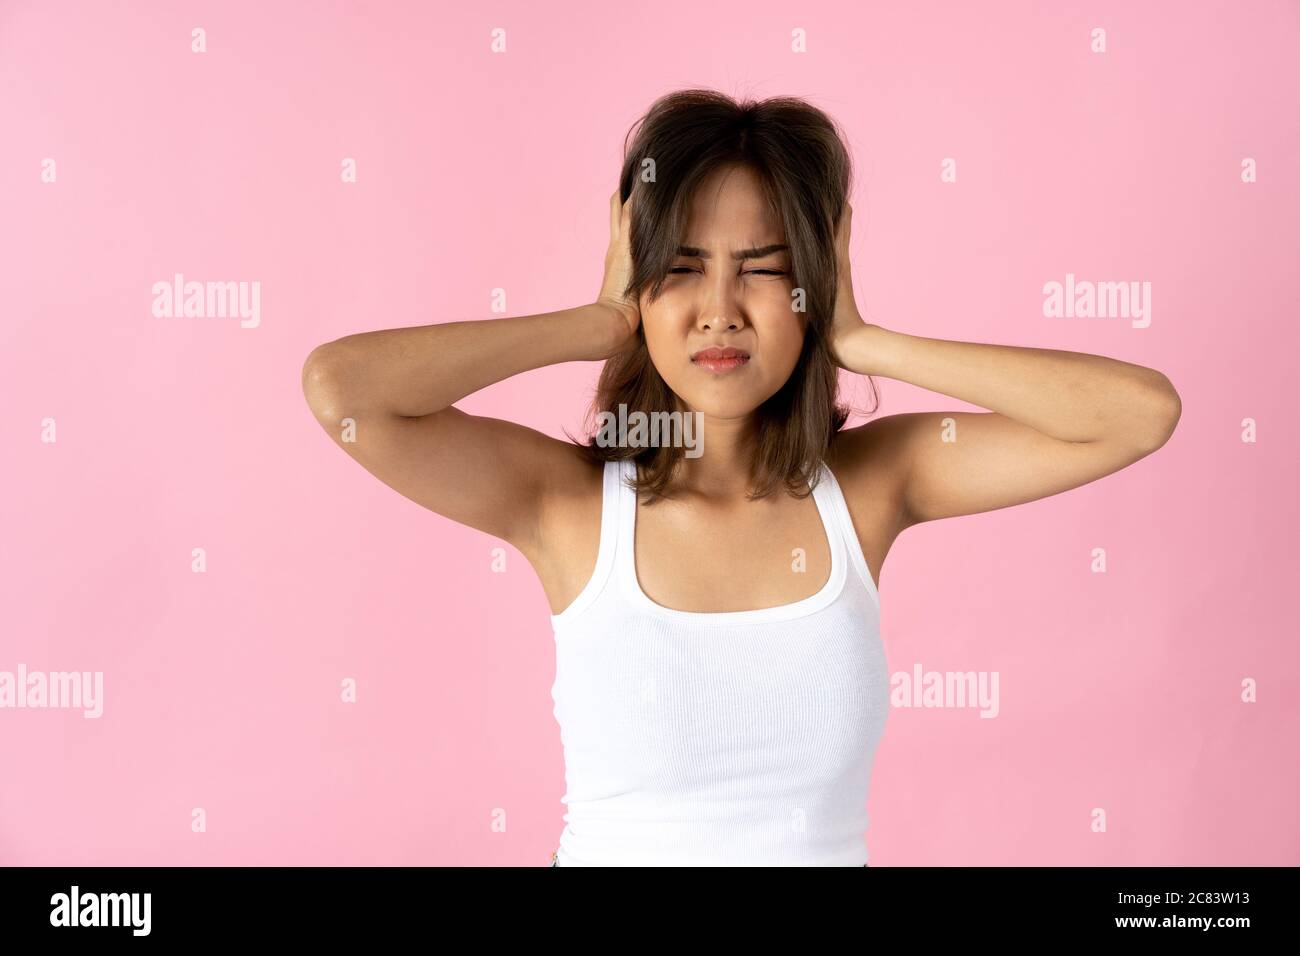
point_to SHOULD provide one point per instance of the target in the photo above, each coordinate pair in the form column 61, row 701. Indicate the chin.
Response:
column 718, row 404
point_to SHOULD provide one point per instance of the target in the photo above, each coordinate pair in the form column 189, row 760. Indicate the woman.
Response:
column 720, row 682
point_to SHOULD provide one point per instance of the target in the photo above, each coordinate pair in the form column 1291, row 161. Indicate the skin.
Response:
column 1056, row 420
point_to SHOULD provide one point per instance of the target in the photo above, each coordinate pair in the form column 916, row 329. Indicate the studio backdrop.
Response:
column 223, row 642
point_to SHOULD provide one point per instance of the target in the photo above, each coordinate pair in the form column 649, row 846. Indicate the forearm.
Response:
column 424, row 369
column 1072, row 396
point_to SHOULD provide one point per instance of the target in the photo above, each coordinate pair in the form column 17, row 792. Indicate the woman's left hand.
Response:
column 847, row 327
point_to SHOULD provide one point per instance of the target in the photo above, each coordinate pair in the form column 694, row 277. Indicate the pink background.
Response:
column 479, row 170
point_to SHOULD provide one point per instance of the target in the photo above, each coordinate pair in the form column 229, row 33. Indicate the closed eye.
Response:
column 748, row 272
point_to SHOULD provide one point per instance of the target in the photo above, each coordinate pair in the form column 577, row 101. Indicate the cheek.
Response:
column 661, row 326
column 782, row 334
column 665, row 330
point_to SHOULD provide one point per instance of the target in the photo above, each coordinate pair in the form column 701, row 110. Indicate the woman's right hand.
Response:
column 625, row 313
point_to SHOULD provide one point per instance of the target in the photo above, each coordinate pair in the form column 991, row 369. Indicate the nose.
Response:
column 721, row 309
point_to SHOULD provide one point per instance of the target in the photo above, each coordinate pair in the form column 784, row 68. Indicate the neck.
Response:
column 723, row 470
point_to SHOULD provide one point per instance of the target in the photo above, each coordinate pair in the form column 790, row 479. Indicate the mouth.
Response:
column 718, row 360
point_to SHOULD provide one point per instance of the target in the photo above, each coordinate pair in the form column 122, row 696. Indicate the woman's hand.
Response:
column 848, row 331
column 624, row 313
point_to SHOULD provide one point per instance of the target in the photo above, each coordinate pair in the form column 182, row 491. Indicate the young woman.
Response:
column 720, row 680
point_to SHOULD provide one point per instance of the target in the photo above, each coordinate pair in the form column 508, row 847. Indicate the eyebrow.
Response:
column 758, row 252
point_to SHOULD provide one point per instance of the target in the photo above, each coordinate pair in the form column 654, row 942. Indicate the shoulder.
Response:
column 571, row 495
column 869, row 462
column 566, row 541
column 873, row 448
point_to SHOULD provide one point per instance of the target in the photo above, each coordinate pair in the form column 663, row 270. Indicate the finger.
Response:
column 615, row 215
column 625, row 219
column 625, row 223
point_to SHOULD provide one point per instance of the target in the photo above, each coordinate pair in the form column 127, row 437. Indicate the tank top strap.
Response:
column 832, row 496
column 624, row 513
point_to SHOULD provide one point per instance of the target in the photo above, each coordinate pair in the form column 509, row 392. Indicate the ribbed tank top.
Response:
column 735, row 738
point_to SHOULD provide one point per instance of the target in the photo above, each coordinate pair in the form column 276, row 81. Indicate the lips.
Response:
column 716, row 359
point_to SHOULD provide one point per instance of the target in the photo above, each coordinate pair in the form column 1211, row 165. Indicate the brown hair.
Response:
column 800, row 158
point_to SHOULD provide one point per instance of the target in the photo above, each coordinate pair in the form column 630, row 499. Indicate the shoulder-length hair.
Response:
column 799, row 156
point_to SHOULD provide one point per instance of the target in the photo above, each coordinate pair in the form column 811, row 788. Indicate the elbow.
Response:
column 1166, row 408
column 323, row 380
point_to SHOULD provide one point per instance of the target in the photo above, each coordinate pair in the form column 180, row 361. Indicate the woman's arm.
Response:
column 387, row 399
column 1056, row 419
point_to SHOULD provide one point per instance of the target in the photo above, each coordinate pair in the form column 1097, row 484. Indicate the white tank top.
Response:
column 735, row 738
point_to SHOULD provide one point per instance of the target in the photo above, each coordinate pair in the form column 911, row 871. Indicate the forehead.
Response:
column 730, row 208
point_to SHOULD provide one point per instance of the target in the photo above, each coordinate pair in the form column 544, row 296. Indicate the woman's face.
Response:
column 723, row 333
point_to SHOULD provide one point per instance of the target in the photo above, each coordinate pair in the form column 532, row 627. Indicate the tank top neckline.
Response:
column 625, row 564
column 615, row 570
